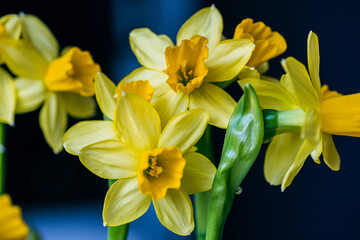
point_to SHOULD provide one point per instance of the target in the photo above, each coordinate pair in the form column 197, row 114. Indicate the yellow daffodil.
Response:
column 182, row 75
column 12, row 226
column 268, row 44
column 151, row 165
column 318, row 111
column 63, row 84
column 10, row 28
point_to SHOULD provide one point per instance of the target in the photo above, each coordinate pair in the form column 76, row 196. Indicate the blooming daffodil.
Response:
column 319, row 111
column 182, row 75
column 61, row 84
column 151, row 164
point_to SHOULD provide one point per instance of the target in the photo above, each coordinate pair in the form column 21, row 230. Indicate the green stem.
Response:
column 277, row 122
column 204, row 146
column 119, row 232
column 2, row 158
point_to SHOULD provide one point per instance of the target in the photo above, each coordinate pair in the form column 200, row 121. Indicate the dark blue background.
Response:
column 320, row 203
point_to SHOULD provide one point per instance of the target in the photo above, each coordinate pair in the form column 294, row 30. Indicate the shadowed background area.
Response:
column 64, row 200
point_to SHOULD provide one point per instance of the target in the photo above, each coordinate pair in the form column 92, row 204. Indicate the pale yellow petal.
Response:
column 110, row 159
column 304, row 151
column 78, row 106
column 137, row 122
column 218, row 103
column 207, row 22
column 299, row 84
column 40, row 36
column 314, row 61
column 175, row 212
column 184, row 129
column 249, row 72
column 12, row 24
column 318, row 149
column 22, row 59
column 311, row 128
column 228, row 59
column 104, row 93
column 124, row 202
column 154, row 77
column 199, row 173
column 169, row 103
column 86, row 133
column 53, row 121
column 280, row 155
column 270, row 95
column 30, row 94
column 330, row 154
column 7, row 98
column 149, row 48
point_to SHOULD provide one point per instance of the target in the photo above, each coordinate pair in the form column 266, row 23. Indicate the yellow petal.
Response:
column 149, row 48
column 299, row 84
column 280, row 155
column 199, row 173
column 218, row 103
column 140, row 87
column 137, row 122
column 311, row 127
column 314, row 60
column 110, row 159
column 104, row 93
column 30, row 94
column 78, row 106
column 22, row 59
column 175, row 212
column 184, row 129
column 154, row 77
column 305, row 149
column 53, row 121
column 169, row 103
column 12, row 24
column 124, row 202
column 86, row 133
column 7, row 98
column 249, row 72
column 330, row 154
column 271, row 95
column 207, row 22
column 40, row 36
column 341, row 115
column 318, row 149
column 326, row 93
column 227, row 59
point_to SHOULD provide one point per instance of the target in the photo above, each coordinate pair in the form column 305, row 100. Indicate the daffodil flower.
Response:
column 10, row 28
column 61, row 84
column 268, row 44
column 318, row 111
column 182, row 75
column 151, row 165
column 12, row 226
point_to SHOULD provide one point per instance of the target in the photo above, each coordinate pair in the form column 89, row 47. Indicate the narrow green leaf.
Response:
column 243, row 140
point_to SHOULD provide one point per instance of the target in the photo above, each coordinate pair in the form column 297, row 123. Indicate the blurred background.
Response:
column 63, row 200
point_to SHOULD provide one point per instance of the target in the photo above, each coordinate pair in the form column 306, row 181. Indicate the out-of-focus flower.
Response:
column 268, row 44
column 10, row 28
column 12, row 226
column 151, row 165
column 62, row 84
column 7, row 98
column 318, row 112
column 182, row 75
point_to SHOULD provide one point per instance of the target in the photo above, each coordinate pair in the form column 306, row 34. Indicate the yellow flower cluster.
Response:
column 159, row 111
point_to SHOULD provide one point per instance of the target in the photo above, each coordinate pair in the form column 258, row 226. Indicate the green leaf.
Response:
column 243, row 140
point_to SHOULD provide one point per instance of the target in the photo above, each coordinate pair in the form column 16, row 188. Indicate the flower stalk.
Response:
column 205, row 147
column 277, row 122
